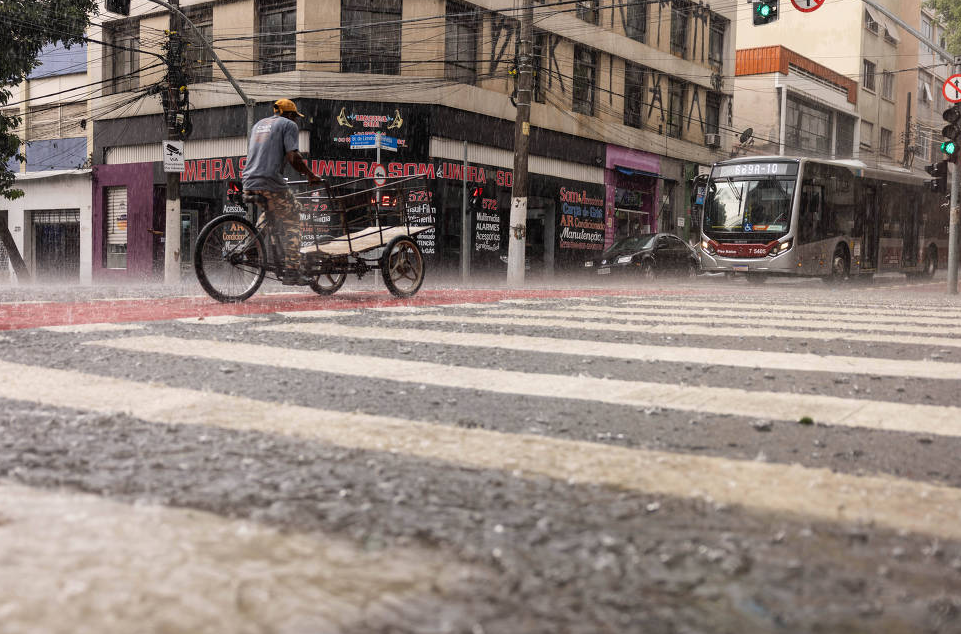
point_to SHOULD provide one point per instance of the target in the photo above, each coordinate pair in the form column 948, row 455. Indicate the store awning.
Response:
column 630, row 171
column 875, row 15
column 891, row 30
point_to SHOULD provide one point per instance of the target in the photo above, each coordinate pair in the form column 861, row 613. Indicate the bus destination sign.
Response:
column 740, row 170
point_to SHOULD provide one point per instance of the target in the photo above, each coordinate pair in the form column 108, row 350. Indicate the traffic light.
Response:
column 952, row 133
column 765, row 11
column 940, row 173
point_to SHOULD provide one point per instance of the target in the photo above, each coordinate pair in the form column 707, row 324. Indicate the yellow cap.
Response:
column 286, row 105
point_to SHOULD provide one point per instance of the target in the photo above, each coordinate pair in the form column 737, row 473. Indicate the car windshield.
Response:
column 630, row 245
column 749, row 206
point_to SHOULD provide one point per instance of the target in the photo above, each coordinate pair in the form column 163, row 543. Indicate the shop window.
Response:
column 635, row 21
column 585, row 79
column 635, row 84
column 199, row 61
column 675, row 111
column 680, row 21
column 370, row 36
column 716, row 44
column 115, row 251
column 460, row 56
column 121, row 60
column 277, row 45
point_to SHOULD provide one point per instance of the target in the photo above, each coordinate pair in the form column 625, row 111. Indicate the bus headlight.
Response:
column 707, row 246
column 783, row 247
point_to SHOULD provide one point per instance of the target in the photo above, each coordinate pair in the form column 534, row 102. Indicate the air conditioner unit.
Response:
column 712, row 140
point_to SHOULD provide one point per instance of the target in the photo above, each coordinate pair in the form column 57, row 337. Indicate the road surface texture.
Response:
column 698, row 456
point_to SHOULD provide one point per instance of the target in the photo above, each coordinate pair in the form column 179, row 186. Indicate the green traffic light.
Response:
column 764, row 10
column 949, row 147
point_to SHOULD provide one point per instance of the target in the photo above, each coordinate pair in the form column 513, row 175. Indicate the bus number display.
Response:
column 755, row 169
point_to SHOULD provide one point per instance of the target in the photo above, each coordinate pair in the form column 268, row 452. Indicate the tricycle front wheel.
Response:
column 230, row 259
column 402, row 266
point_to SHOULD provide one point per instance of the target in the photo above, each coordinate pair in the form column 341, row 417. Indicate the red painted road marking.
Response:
column 30, row 315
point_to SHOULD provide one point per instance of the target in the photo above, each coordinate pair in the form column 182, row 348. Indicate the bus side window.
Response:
column 812, row 206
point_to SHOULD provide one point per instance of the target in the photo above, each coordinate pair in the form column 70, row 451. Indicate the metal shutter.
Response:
column 116, row 247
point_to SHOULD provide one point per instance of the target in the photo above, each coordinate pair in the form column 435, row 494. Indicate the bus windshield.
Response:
column 746, row 206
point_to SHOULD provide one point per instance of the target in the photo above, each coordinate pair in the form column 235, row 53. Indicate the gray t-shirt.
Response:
column 270, row 140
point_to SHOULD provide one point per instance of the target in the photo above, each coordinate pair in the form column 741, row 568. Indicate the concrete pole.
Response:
column 172, row 220
column 465, row 225
column 517, row 229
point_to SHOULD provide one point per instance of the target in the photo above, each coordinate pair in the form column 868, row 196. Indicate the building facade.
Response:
column 629, row 101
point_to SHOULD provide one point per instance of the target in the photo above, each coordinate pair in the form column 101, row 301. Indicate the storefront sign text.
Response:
column 582, row 220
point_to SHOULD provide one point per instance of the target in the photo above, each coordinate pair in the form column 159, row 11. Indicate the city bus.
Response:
column 832, row 219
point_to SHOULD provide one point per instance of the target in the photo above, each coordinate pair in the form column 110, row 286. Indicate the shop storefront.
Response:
column 633, row 183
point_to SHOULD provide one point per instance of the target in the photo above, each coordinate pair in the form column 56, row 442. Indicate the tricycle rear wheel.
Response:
column 328, row 283
column 402, row 267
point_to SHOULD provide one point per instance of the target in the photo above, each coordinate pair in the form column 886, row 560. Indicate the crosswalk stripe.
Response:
column 314, row 314
column 801, row 492
column 773, row 405
column 120, row 559
column 98, row 327
column 833, row 309
column 218, row 320
column 673, row 354
column 685, row 329
column 748, row 321
column 726, row 313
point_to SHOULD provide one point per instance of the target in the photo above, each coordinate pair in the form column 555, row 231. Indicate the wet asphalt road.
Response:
column 465, row 525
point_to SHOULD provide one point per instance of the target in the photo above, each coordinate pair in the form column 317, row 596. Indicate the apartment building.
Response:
column 51, row 223
column 629, row 101
column 832, row 73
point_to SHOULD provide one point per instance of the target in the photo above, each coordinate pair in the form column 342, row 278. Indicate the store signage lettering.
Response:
column 487, row 231
column 582, row 220
column 215, row 169
column 421, row 212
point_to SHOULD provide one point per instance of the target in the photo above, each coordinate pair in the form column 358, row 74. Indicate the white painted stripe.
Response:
column 829, row 410
column 101, row 327
column 795, row 491
column 219, row 320
column 867, row 317
column 856, row 307
column 802, row 362
column 687, row 329
column 314, row 314
column 749, row 322
column 401, row 309
column 77, row 562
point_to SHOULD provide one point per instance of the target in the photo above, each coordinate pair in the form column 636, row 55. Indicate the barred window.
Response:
column 460, row 55
column 199, row 61
column 635, row 84
column 680, row 19
column 277, row 42
column 370, row 36
column 675, row 110
column 585, row 79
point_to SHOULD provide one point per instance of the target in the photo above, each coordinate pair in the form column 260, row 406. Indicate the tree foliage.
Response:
column 950, row 12
column 29, row 25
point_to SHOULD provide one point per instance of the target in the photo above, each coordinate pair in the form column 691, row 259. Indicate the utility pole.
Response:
column 517, row 232
column 953, row 218
column 171, row 99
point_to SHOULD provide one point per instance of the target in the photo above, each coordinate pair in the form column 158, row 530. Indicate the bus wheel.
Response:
column 840, row 265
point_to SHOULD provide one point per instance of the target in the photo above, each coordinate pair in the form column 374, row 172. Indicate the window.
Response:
column 587, row 10
column 460, row 57
column 716, row 48
column 712, row 114
column 277, row 45
column 55, row 121
column 585, row 79
column 887, row 84
column 867, row 134
column 844, row 140
column 370, row 36
column 927, row 32
column 675, row 110
column 924, row 89
column 869, row 23
column 635, row 21
column 200, row 64
column 680, row 16
column 867, row 75
column 886, row 137
column 115, row 253
column 121, row 58
column 808, row 127
column 635, row 83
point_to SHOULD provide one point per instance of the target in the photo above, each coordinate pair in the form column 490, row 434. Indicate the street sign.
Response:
column 807, row 5
column 363, row 141
column 388, row 143
column 173, row 153
column 952, row 89
column 379, row 174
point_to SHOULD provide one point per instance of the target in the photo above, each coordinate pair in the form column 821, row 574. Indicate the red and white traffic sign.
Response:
column 807, row 5
column 379, row 173
column 952, row 89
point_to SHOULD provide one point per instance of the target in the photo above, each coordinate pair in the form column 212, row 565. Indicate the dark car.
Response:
column 647, row 255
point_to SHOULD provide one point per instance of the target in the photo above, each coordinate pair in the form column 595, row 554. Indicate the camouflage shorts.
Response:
column 285, row 210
